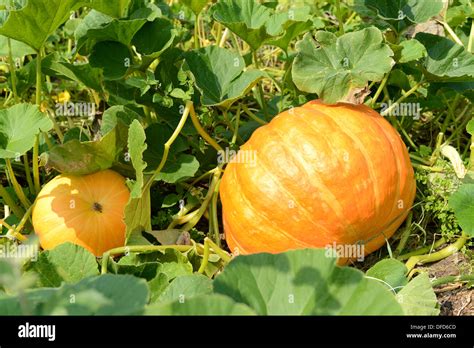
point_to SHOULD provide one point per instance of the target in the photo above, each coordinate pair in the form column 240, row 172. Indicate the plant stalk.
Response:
column 10, row 202
column 260, row 88
column 205, row 203
column 29, row 180
column 196, row 32
column 439, row 255
column 452, row 279
column 168, row 144
column 339, row 17
column 405, row 236
column 423, row 250
column 12, row 70
column 16, row 186
column 402, row 98
column 201, row 130
column 36, row 176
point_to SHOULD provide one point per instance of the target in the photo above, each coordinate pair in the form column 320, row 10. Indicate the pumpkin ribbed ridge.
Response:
column 323, row 174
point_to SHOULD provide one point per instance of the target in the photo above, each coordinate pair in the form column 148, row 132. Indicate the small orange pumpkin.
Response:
column 320, row 175
column 85, row 210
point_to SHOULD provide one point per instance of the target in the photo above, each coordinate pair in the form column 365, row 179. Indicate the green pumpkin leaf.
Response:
column 470, row 127
column 8, row 275
column 179, row 168
column 258, row 24
column 116, row 8
column 185, row 287
column 75, row 133
column 462, row 203
column 303, row 282
column 391, row 272
column 137, row 215
column 414, row 10
column 107, row 294
column 402, row 13
column 173, row 263
column 65, row 263
column 112, row 57
column 19, row 125
column 115, row 114
column 147, row 270
column 248, row 19
column 201, row 305
column 195, row 5
column 446, row 60
column 83, row 73
column 156, row 137
column 97, row 27
column 295, row 22
column 418, row 297
column 119, row 93
column 340, row 64
column 157, row 286
column 81, row 158
column 219, row 75
column 457, row 15
column 38, row 20
column 19, row 49
column 411, row 50
column 138, row 208
column 169, row 236
column 136, row 147
column 154, row 38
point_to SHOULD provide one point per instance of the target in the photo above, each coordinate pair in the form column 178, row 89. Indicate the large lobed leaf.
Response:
column 303, row 282
column 462, row 203
column 18, row 48
column 446, row 60
column 418, row 297
column 400, row 14
column 391, row 272
column 248, row 19
column 332, row 66
column 19, row 125
column 80, row 158
column 65, row 263
column 213, row 304
column 38, row 20
column 100, row 295
column 195, row 5
column 219, row 75
column 83, row 73
column 97, row 27
column 185, row 287
column 298, row 282
column 257, row 24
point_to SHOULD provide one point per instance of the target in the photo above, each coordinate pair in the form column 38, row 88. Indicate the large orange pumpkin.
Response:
column 317, row 175
column 85, row 210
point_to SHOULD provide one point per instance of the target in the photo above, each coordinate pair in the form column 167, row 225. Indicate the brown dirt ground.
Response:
column 454, row 298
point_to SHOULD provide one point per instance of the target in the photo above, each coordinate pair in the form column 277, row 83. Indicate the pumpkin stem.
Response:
column 97, row 207
column 436, row 256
